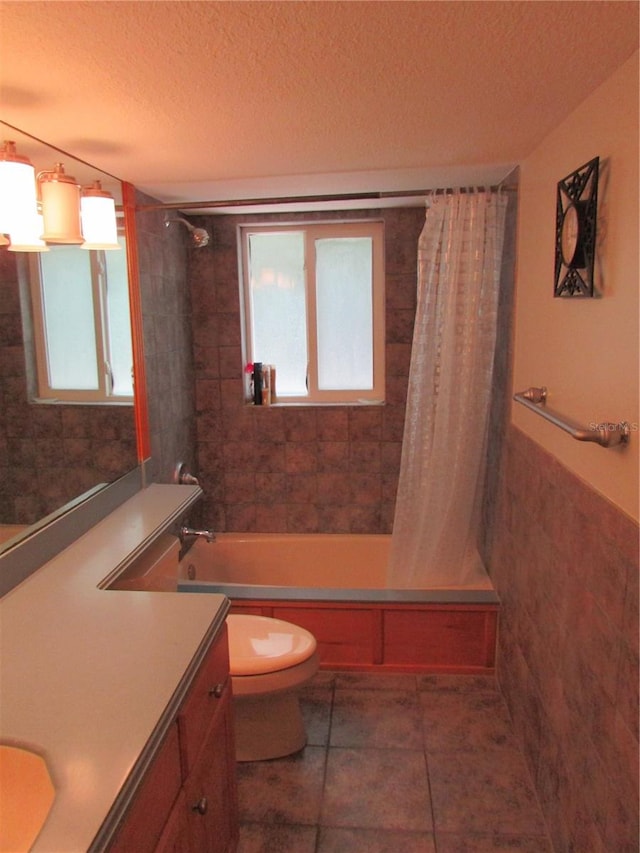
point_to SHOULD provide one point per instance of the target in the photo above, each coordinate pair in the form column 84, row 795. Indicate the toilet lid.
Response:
column 260, row 644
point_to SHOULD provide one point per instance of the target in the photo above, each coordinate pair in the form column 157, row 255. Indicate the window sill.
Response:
column 315, row 404
column 54, row 401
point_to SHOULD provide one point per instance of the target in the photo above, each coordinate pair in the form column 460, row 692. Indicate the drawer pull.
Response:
column 201, row 806
column 217, row 690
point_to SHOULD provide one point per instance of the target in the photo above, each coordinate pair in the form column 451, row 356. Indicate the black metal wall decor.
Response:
column 576, row 217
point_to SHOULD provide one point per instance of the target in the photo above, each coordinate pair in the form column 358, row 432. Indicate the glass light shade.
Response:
column 60, row 195
column 98, row 213
column 18, row 201
column 25, row 236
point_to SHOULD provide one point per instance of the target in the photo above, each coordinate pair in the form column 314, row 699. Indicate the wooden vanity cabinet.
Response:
column 187, row 802
column 176, row 836
column 207, row 748
column 144, row 823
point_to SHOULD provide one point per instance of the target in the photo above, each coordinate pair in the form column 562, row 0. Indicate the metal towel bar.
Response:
column 604, row 434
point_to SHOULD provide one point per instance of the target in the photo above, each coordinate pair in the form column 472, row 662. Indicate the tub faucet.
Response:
column 209, row 535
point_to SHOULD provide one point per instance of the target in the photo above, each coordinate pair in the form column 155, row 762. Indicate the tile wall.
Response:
column 49, row 454
column 166, row 324
column 565, row 564
column 303, row 469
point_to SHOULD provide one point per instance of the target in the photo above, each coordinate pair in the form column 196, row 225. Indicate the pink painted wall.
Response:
column 584, row 350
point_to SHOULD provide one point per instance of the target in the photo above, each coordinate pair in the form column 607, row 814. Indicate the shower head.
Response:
column 199, row 236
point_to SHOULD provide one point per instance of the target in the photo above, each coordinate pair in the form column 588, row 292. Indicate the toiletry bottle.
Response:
column 272, row 382
column 257, row 383
column 266, row 384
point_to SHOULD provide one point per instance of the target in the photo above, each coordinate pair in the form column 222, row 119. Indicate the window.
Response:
column 82, row 332
column 313, row 299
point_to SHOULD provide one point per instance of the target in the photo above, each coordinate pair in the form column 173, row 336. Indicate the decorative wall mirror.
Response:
column 576, row 216
column 54, row 455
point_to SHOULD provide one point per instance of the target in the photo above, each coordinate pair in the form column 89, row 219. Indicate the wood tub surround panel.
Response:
column 343, row 636
column 449, row 637
column 445, row 638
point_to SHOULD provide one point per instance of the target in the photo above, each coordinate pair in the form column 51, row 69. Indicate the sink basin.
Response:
column 26, row 794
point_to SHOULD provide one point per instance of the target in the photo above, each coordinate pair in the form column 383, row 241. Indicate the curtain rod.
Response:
column 311, row 199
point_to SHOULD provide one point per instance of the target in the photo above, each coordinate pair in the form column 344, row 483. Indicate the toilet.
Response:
column 270, row 660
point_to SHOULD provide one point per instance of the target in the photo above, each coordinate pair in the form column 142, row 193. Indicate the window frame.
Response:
column 312, row 231
column 45, row 392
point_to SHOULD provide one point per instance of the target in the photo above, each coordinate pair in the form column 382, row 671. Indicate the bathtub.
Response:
column 335, row 586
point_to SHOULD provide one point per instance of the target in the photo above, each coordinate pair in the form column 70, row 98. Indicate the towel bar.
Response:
column 604, row 434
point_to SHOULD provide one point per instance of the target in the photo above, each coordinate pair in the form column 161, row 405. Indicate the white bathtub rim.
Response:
column 259, row 592
column 295, row 587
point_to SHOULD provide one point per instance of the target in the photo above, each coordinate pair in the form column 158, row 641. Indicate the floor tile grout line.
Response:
column 326, row 766
column 426, row 768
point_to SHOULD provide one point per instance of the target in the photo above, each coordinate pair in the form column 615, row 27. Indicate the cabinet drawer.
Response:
column 203, row 700
column 176, row 837
column 146, row 817
column 210, row 790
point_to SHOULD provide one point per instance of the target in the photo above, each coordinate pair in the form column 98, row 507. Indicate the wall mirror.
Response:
column 54, row 455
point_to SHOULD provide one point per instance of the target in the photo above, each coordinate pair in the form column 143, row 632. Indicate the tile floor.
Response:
column 395, row 764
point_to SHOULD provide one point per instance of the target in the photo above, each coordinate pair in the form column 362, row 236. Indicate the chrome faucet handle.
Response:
column 209, row 535
column 182, row 476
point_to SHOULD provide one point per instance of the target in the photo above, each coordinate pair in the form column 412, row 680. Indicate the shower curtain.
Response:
column 444, row 445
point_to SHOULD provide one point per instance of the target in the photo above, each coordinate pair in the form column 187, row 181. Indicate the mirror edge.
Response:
column 31, row 553
column 140, row 407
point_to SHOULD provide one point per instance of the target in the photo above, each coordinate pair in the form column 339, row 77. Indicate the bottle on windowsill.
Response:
column 257, row 383
column 266, row 384
column 272, row 382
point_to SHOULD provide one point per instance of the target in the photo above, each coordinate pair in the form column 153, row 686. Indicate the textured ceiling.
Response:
column 197, row 100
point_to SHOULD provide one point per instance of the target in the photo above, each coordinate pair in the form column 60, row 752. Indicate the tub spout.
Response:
column 186, row 532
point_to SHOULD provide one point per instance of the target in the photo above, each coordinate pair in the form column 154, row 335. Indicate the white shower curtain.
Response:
column 444, row 445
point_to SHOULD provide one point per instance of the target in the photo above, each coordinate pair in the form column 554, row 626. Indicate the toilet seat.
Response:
column 270, row 660
column 271, row 683
column 261, row 644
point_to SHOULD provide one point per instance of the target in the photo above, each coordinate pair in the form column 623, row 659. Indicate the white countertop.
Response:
column 88, row 674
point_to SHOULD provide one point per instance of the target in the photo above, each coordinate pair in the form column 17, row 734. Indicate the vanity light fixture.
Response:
column 25, row 237
column 98, row 214
column 18, row 201
column 60, row 197
column 51, row 208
